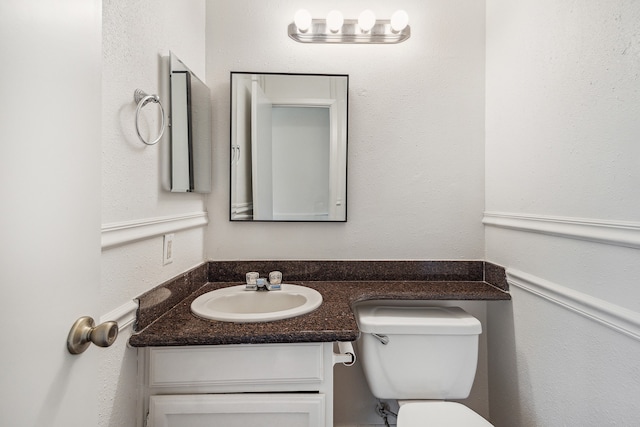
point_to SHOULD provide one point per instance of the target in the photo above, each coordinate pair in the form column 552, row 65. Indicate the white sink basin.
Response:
column 235, row 304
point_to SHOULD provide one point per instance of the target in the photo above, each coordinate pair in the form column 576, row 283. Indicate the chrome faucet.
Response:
column 261, row 283
column 257, row 283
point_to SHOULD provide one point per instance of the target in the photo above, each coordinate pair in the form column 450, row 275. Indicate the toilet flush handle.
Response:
column 382, row 338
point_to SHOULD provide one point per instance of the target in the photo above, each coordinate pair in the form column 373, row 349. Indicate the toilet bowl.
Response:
column 421, row 356
column 438, row 414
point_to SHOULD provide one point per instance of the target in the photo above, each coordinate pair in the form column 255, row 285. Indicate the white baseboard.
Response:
column 611, row 315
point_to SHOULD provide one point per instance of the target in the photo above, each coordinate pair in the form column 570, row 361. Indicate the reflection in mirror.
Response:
column 190, row 122
column 288, row 147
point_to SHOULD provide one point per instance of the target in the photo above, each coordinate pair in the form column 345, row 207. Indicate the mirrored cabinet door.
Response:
column 191, row 131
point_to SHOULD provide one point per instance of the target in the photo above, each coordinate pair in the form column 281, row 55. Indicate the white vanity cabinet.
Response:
column 244, row 385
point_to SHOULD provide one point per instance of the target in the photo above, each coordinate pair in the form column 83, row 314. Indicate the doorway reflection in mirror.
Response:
column 288, row 147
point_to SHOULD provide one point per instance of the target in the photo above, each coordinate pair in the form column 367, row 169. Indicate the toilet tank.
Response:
column 430, row 352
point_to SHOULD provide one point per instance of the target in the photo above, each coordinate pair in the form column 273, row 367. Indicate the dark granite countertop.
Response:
column 334, row 320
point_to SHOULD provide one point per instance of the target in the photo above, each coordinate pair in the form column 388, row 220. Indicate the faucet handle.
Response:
column 275, row 280
column 275, row 277
column 252, row 280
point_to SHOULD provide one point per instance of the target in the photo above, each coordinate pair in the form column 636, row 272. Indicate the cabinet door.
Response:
column 237, row 410
column 238, row 368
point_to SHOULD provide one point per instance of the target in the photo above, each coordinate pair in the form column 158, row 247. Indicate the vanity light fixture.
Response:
column 336, row 29
column 366, row 20
column 302, row 20
column 399, row 20
column 335, row 21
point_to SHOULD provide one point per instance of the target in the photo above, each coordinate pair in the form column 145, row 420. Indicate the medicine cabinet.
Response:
column 190, row 130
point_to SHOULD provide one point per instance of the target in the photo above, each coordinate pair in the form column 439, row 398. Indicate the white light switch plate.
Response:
column 167, row 251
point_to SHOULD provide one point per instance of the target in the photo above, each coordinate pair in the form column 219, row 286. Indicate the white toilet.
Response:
column 420, row 356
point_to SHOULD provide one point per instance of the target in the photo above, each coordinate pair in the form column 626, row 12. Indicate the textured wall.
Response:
column 562, row 156
column 563, row 93
column 416, row 120
column 135, row 35
column 416, row 154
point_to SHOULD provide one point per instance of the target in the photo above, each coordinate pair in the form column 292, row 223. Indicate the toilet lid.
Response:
column 439, row 414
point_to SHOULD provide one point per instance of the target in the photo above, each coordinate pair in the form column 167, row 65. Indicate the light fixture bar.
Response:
column 350, row 32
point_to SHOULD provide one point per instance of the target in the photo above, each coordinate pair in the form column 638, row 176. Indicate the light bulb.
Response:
column 302, row 19
column 366, row 20
column 335, row 21
column 399, row 20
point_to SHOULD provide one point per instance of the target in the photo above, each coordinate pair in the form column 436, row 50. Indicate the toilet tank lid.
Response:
column 382, row 319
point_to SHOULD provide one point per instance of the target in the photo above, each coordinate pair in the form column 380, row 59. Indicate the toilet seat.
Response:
column 439, row 414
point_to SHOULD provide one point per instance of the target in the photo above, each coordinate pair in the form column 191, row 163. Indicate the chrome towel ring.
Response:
column 142, row 99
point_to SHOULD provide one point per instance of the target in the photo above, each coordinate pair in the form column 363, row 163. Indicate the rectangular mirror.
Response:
column 288, row 147
column 190, row 125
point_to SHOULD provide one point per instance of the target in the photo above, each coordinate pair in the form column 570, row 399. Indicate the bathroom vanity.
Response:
column 244, row 385
column 196, row 372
